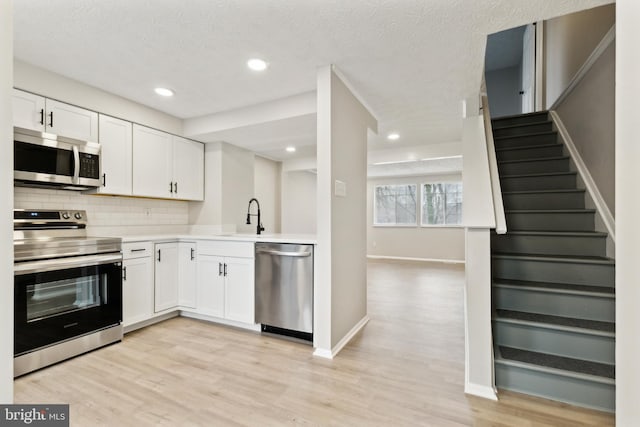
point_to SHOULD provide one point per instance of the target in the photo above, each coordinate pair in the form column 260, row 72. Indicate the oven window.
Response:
column 63, row 296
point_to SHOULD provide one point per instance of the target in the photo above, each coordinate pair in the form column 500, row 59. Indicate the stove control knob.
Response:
column 66, row 215
column 78, row 215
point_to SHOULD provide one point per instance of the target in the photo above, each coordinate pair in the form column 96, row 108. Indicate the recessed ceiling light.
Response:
column 163, row 91
column 393, row 136
column 291, row 149
column 257, row 64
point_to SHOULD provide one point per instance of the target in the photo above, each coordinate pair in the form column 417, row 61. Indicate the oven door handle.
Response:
column 22, row 268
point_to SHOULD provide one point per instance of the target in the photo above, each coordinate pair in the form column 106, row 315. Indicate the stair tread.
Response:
column 538, row 174
column 551, row 132
column 609, row 290
column 556, row 258
column 558, row 362
column 529, row 147
column 521, row 125
column 595, row 325
column 515, row 116
column 549, row 210
column 534, row 159
column 555, row 190
column 557, row 233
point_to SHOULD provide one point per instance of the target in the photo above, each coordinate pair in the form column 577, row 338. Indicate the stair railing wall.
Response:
column 498, row 206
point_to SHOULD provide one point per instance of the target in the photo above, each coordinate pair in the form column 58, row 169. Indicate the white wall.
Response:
column 267, row 191
column 627, row 208
column 299, row 202
column 341, row 288
column 503, row 91
column 237, row 187
column 568, row 42
column 432, row 243
column 209, row 211
column 588, row 113
column 6, row 202
column 42, row 82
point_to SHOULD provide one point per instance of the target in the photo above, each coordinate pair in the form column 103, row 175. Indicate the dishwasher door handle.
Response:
column 283, row 253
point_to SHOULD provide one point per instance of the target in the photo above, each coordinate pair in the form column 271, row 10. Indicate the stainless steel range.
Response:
column 67, row 288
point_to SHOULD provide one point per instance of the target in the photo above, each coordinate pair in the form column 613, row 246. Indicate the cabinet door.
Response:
column 70, row 121
column 115, row 140
column 28, row 110
column 137, row 290
column 210, row 286
column 152, row 152
column 166, row 276
column 187, row 274
column 188, row 169
column 239, row 290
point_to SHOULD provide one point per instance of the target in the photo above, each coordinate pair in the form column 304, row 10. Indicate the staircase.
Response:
column 553, row 286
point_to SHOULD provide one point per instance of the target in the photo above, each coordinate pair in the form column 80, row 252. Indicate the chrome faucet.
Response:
column 259, row 227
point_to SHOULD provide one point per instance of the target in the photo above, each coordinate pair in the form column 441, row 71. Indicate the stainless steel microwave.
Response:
column 46, row 160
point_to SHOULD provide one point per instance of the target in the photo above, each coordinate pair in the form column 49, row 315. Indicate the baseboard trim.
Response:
column 144, row 323
column 480, row 391
column 597, row 52
column 212, row 319
column 330, row 354
column 398, row 258
column 590, row 184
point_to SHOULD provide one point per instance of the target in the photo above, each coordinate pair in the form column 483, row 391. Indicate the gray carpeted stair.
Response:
column 553, row 291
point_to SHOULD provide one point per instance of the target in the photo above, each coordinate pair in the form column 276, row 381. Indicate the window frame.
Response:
column 395, row 224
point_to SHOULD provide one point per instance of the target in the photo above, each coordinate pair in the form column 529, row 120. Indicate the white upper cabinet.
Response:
column 28, row 110
column 167, row 166
column 116, row 142
column 41, row 114
column 188, row 169
column 152, row 163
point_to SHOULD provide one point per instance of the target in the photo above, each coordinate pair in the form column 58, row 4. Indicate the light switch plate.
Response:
column 340, row 189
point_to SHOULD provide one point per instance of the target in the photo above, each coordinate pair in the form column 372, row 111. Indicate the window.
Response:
column 442, row 203
column 395, row 204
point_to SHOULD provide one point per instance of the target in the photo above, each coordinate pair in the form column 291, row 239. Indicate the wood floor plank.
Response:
column 405, row 368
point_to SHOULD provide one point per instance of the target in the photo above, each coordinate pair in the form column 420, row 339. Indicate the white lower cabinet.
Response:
column 226, row 283
column 187, row 274
column 137, row 283
column 166, row 272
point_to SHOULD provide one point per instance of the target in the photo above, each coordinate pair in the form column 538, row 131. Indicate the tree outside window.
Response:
column 442, row 203
column 395, row 204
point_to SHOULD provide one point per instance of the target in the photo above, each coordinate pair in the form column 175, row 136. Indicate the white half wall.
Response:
column 627, row 208
column 429, row 243
column 568, row 42
column 299, row 202
column 46, row 83
column 267, row 190
column 6, row 202
column 341, row 288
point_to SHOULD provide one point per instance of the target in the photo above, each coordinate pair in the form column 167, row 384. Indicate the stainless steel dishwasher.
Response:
column 284, row 289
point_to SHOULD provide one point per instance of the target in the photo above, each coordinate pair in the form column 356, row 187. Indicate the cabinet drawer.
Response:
column 226, row 248
column 137, row 250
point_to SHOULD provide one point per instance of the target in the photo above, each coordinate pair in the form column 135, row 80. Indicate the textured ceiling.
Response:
column 412, row 61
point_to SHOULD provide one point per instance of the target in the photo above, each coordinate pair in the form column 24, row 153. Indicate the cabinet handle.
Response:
column 219, row 269
column 171, row 187
column 138, row 250
column 225, row 269
column 124, row 273
column 158, row 255
column 104, row 179
column 175, row 187
column 42, row 116
column 192, row 254
column 51, row 117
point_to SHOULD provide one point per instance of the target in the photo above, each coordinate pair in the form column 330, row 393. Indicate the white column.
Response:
column 627, row 209
column 6, row 202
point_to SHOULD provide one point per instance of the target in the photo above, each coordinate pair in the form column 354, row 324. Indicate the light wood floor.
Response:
column 405, row 368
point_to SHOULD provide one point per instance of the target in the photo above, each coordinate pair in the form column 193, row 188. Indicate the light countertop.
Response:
column 241, row 237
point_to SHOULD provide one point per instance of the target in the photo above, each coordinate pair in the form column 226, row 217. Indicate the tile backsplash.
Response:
column 107, row 211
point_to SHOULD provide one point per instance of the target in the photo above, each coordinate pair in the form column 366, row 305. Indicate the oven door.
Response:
column 63, row 298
